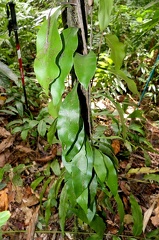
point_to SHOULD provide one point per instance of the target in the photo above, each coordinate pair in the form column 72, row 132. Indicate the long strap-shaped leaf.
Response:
column 48, row 47
column 137, row 216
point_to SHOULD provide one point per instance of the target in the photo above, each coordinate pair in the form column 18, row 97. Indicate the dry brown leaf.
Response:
column 4, row 158
column 19, row 193
column 28, row 214
column 155, row 219
column 32, row 225
column 125, row 187
column 128, row 219
column 11, row 193
column 48, row 157
column 44, row 159
column 4, row 133
column 30, row 201
column 54, row 150
column 116, row 146
column 6, row 143
column 123, row 164
column 147, row 216
column 125, row 201
column 3, row 200
column 24, row 149
column 28, row 191
column 112, row 227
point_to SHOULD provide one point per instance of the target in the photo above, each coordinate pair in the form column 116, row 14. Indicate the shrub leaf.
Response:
column 137, row 216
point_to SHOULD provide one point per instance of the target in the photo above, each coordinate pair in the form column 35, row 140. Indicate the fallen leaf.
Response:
column 123, row 164
column 30, row 201
column 23, row 149
column 112, row 227
column 155, row 219
column 116, row 146
column 4, row 133
column 11, row 193
column 6, row 143
column 147, row 216
column 32, row 225
column 19, row 193
column 2, row 160
column 45, row 159
column 3, row 200
column 54, row 150
column 125, row 201
column 142, row 170
column 28, row 191
column 125, row 187
column 28, row 214
column 128, row 219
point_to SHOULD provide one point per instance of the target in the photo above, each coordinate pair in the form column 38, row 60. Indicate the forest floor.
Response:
column 23, row 164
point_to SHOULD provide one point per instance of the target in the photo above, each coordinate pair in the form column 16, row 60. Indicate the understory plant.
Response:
column 4, row 216
column 32, row 126
column 90, row 166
